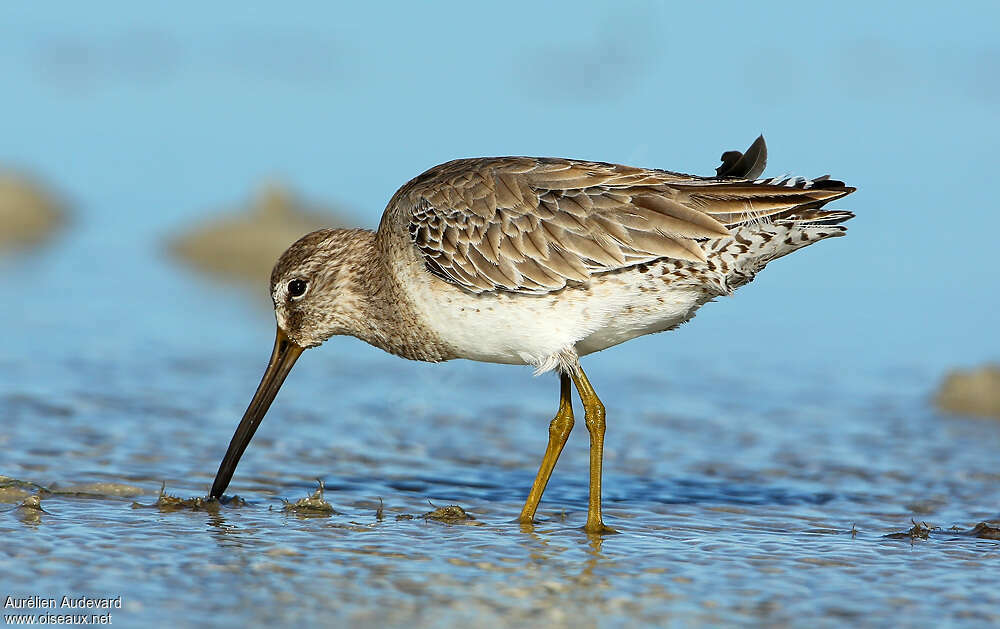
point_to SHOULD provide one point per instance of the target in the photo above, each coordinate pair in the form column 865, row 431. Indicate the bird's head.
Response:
column 311, row 286
column 311, row 291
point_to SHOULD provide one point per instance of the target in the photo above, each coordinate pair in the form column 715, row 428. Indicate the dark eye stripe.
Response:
column 297, row 288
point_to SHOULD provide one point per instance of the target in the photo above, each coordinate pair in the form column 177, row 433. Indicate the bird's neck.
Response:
column 387, row 318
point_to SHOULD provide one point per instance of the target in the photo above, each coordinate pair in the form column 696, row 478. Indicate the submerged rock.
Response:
column 12, row 494
column 919, row 530
column 167, row 503
column 984, row 531
column 30, row 511
column 28, row 213
column 451, row 514
column 244, row 246
column 14, row 490
column 33, row 503
column 312, row 505
column 971, row 392
column 99, row 489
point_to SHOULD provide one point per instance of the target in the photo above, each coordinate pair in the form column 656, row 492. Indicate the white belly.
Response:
column 515, row 328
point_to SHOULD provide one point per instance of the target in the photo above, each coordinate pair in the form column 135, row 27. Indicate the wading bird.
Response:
column 537, row 261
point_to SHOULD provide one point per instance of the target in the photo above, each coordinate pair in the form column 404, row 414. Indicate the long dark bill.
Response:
column 282, row 358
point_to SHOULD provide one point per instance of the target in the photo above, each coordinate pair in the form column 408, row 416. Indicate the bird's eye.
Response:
column 297, row 288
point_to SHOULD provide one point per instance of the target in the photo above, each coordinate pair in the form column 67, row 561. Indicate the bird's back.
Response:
column 535, row 225
column 519, row 259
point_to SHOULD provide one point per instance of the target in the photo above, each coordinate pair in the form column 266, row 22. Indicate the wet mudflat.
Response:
column 739, row 497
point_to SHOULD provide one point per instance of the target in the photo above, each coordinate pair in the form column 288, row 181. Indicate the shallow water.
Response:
column 742, row 495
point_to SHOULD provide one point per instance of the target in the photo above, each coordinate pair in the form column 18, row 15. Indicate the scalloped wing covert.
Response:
column 533, row 225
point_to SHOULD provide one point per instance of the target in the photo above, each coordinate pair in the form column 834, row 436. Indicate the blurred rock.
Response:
column 244, row 246
column 28, row 213
column 971, row 392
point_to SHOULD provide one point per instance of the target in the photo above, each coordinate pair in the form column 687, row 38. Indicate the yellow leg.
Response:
column 594, row 418
column 559, row 429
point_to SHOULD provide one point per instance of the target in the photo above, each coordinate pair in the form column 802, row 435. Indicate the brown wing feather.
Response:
column 535, row 224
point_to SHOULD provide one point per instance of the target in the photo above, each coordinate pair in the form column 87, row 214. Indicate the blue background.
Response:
column 147, row 118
